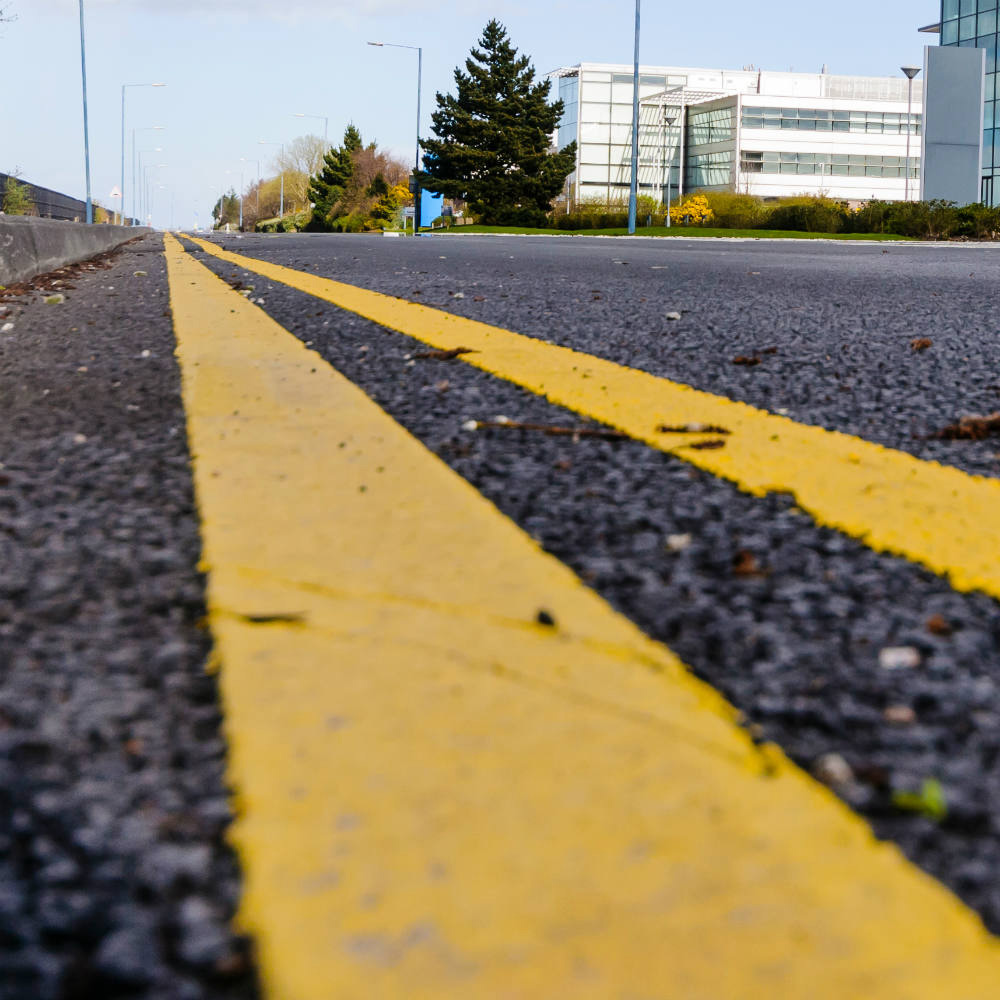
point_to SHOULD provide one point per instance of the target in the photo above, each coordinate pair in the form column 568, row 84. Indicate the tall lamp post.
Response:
column 148, row 128
column 634, row 186
column 86, row 126
column 124, row 86
column 667, row 120
column 147, row 203
column 264, row 142
column 416, row 161
column 910, row 72
column 323, row 119
column 137, row 186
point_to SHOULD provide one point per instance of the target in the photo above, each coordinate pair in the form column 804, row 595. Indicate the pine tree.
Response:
column 493, row 139
column 327, row 187
column 227, row 209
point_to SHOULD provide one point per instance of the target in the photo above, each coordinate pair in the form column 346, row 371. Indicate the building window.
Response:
column 829, row 164
column 818, row 120
column 710, row 169
column 705, row 127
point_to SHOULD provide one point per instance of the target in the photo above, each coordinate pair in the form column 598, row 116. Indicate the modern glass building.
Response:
column 764, row 133
column 974, row 24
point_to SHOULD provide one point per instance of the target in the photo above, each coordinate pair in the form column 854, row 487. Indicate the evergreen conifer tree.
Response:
column 493, row 139
column 327, row 187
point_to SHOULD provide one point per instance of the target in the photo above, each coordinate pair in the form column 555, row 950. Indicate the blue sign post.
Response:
column 430, row 207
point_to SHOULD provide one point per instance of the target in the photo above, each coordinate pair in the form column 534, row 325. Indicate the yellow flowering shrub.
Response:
column 696, row 206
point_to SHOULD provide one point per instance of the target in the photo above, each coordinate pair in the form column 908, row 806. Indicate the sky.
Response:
column 237, row 71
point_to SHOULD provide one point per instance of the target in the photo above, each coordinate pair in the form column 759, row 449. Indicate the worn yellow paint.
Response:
column 929, row 513
column 439, row 797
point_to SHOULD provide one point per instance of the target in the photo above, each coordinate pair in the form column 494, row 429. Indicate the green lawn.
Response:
column 684, row 231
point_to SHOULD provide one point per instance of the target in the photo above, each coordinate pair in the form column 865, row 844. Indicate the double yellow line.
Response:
column 935, row 515
column 442, row 793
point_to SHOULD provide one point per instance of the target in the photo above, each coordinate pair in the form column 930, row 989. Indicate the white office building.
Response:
column 763, row 133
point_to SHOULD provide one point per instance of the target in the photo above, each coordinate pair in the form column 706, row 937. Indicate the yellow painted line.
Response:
column 439, row 797
column 932, row 514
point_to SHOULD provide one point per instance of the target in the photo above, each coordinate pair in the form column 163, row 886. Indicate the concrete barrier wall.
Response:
column 33, row 246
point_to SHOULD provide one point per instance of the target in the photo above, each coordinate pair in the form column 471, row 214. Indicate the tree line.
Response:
column 491, row 152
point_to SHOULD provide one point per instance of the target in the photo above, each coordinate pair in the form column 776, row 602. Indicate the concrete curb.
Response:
column 33, row 246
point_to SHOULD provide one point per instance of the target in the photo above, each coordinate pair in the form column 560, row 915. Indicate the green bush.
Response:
column 736, row 211
column 809, row 215
column 872, row 217
column 17, row 198
column 353, row 223
column 979, row 222
column 929, row 220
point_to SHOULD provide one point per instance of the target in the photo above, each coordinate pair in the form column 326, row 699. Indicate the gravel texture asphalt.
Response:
column 841, row 315
column 115, row 880
column 787, row 619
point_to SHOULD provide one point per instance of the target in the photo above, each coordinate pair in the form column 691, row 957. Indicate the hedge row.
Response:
column 922, row 219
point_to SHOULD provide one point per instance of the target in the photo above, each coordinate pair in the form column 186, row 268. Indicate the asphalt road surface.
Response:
column 100, row 597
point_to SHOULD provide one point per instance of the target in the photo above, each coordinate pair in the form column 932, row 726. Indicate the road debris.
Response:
column 921, row 343
column 678, row 543
column 899, row 715
column 970, row 428
column 750, row 360
column 833, row 770
column 692, row 428
column 930, row 801
column 673, row 316
column 745, row 564
column 939, row 625
column 447, row 355
column 899, row 658
column 55, row 300
column 553, row 430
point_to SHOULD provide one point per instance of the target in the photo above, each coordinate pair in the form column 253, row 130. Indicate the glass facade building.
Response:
column 974, row 24
column 765, row 133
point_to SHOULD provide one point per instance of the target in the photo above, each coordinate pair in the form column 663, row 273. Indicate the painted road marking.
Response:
column 936, row 515
column 440, row 797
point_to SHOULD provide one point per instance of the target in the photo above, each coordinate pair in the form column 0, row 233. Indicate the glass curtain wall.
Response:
column 603, row 115
column 974, row 24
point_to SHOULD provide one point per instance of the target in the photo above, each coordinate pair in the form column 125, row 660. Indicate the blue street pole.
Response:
column 86, row 128
column 634, row 186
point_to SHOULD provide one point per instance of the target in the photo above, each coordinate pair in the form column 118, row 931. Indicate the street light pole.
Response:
column 910, row 72
column 670, row 167
column 86, row 126
column 122, row 188
column 416, row 160
column 634, row 186
column 137, row 185
column 145, row 184
column 148, row 128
